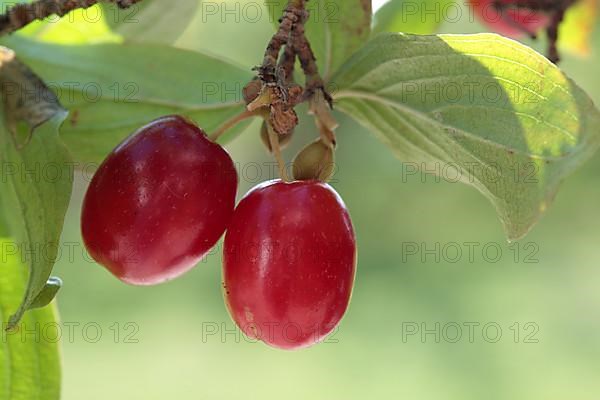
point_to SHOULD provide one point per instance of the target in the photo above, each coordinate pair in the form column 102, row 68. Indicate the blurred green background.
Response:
column 163, row 349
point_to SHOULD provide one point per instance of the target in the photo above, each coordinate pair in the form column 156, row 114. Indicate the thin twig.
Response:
column 303, row 49
column 20, row 15
column 267, row 71
column 286, row 64
column 552, row 32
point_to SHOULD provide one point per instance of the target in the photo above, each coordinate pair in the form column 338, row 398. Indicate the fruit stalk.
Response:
column 276, row 150
column 230, row 123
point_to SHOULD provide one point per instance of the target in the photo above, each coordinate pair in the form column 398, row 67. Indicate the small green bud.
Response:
column 315, row 161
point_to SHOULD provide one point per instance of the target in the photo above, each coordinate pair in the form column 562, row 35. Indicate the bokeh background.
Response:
column 176, row 340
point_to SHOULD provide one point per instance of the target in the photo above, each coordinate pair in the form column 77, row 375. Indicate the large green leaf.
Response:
column 111, row 90
column 422, row 17
column 151, row 21
column 29, row 355
column 78, row 27
column 481, row 109
column 37, row 175
column 335, row 29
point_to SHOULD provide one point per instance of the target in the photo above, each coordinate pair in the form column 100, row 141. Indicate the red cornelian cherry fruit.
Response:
column 508, row 20
column 289, row 263
column 159, row 202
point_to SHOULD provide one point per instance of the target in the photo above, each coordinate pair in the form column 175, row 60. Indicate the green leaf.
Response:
column 151, row 21
column 47, row 294
column 80, row 26
column 480, row 109
column 29, row 354
column 335, row 29
column 422, row 17
column 111, row 90
column 37, row 173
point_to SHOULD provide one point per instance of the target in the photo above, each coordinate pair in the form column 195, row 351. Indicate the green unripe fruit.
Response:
column 315, row 161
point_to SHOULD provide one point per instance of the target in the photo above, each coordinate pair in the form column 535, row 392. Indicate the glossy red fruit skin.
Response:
column 159, row 202
column 289, row 263
column 509, row 21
